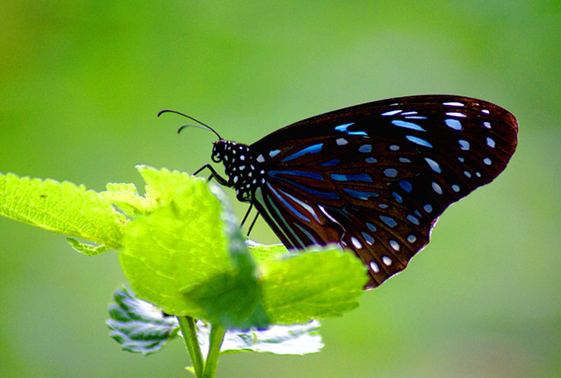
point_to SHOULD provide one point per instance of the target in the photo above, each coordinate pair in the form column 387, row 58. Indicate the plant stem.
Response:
column 189, row 331
column 216, row 338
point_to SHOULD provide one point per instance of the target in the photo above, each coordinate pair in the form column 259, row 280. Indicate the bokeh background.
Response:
column 81, row 84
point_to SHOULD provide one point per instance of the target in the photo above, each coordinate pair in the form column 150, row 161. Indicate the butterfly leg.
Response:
column 245, row 218
column 252, row 224
column 213, row 174
column 247, row 214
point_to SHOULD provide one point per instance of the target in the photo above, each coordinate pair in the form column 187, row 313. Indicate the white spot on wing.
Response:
column 456, row 114
column 356, row 243
column 386, row 260
column 391, row 113
column 452, row 103
column 394, row 245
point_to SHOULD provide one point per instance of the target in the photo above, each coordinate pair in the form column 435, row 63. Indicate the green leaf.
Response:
column 175, row 248
column 278, row 339
column 139, row 326
column 315, row 284
column 233, row 298
column 183, row 258
column 61, row 207
column 162, row 184
column 126, row 197
column 262, row 253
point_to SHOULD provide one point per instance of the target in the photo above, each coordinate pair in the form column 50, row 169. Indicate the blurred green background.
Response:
column 81, row 83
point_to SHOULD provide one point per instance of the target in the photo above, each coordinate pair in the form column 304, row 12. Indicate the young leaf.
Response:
column 314, row 284
column 182, row 258
column 61, row 207
column 176, row 247
column 278, row 339
column 139, row 326
column 262, row 253
column 232, row 299
column 126, row 197
column 162, row 184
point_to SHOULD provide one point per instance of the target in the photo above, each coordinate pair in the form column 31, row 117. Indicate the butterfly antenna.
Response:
column 201, row 124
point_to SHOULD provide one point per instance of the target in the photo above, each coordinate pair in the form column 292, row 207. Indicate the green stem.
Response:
column 189, row 331
column 216, row 338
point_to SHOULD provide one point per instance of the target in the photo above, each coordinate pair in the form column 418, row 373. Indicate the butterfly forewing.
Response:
column 375, row 177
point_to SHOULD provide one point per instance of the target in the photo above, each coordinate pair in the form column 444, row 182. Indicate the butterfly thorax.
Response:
column 245, row 174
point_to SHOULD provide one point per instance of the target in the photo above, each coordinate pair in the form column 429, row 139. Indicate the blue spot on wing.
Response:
column 407, row 125
column 371, row 226
column 390, row 172
column 360, row 194
column 363, row 177
column 365, row 148
column 419, row 141
column 453, row 123
column 406, row 185
column 344, row 129
column 388, row 221
column 330, row 163
column 288, row 205
column 307, row 189
column 308, row 150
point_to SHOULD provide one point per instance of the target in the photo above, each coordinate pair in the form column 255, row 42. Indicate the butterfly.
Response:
column 372, row 178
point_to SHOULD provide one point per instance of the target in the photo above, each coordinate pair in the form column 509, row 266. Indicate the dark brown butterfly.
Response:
column 372, row 178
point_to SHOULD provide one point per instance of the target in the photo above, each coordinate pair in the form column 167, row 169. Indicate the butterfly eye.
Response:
column 218, row 151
